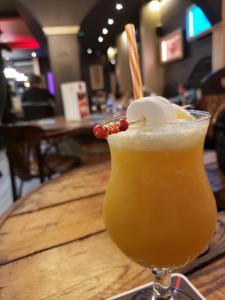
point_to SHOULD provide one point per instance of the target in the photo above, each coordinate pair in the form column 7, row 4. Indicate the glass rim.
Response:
column 203, row 116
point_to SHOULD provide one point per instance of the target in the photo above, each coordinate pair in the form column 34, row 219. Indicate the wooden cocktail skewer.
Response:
column 102, row 131
column 137, row 121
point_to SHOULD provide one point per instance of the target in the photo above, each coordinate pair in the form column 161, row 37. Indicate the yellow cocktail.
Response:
column 159, row 208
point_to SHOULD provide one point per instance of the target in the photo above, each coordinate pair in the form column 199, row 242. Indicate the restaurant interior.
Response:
column 69, row 73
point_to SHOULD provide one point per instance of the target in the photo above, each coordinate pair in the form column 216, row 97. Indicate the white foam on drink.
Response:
column 154, row 110
column 164, row 126
column 179, row 135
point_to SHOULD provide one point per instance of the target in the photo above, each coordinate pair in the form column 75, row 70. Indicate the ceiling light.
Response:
column 33, row 54
column 100, row 39
column 89, row 50
column 21, row 77
column 27, row 84
column 11, row 73
column 105, row 31
column 154, row 5
column 119, row 6
column 110, row 21
column 111, row 53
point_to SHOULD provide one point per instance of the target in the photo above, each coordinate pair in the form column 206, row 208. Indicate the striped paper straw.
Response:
column 134, row 61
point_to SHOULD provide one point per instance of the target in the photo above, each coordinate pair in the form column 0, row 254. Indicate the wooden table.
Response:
column 54, row 246
column 58, row 126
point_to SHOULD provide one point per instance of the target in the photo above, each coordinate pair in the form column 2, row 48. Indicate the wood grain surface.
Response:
column 211, row 280
column 54, row 246
column 25, row 234
column 84, row 182
column 91, row 268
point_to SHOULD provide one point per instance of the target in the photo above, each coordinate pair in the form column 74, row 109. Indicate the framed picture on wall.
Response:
column 172, row 47
column 96, row 77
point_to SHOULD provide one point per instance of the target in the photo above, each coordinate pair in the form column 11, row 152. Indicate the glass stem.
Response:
column 162, row 284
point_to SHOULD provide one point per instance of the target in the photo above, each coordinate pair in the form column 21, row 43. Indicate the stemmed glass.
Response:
column 159, row 208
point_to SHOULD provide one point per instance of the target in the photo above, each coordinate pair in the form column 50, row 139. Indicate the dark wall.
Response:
column 213, row 9
column 173, row 17
column 44, row 65
column 64, row 54
column 86, row 62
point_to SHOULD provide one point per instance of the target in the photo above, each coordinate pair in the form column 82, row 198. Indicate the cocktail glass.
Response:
column 159, row 208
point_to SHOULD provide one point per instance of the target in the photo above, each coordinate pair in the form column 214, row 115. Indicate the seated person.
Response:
column 186, row 95
column 37, row 93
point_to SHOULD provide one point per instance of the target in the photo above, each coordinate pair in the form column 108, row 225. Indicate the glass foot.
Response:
column 148, row 295
column 182, row 289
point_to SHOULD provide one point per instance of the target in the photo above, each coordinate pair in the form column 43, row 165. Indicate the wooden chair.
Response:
column 27, row 159
column 213, row 99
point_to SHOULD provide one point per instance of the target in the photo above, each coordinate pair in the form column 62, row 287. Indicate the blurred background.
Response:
column 180, row 43
column 56, row 53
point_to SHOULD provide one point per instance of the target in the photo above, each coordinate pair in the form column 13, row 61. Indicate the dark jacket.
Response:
column 37, row 95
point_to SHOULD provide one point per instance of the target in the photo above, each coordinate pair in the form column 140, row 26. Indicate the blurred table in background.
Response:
column 47, row 147
column 60, row 126
column 77, row 136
